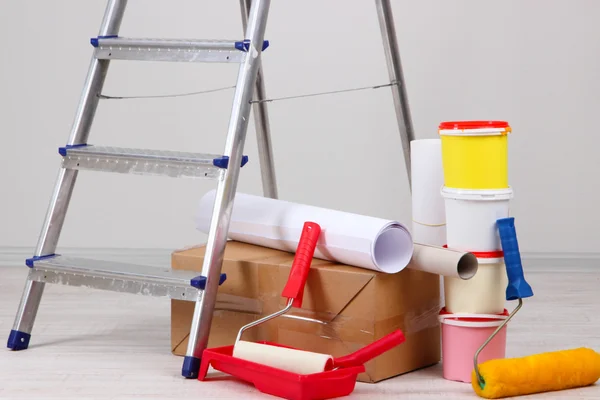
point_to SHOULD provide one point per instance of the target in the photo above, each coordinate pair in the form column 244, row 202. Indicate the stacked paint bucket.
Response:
column 476, row 193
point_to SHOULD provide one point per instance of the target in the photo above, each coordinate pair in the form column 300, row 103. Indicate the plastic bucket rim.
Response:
column 461, row 316
column 473, row 324
column 490, row 261
column 479, row 132
column 446, row 314
column 477, row 194
column 485, row 257
column 489, row 257
column 491, row 320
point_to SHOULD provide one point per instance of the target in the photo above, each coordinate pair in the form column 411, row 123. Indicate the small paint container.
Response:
column 484, row 293
column 475, row 154
column 462, row 335
column 471, row 217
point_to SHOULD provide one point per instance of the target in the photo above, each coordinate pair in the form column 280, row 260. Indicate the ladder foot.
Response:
column 18, row 340
column 191, row 366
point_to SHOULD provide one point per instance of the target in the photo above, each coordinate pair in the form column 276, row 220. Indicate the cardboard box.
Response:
column 344, row 308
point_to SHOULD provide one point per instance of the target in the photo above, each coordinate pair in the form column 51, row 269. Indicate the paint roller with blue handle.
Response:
column 517, row 288
column 537, row 373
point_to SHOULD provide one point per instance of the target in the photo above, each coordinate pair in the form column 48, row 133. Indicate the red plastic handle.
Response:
column 294, row 289
column 371, row 351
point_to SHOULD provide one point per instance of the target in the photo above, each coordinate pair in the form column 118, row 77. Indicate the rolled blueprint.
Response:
column 351, row 239
column 446, row 262
column 428, row 210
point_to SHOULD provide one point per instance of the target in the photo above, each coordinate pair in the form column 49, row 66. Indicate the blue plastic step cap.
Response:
column 223, row 162
column 63, row 150
column 30, row 262
column 191, row 367
column 18, row 340
column 199, row 282
column 94, row 40
column 245, row 45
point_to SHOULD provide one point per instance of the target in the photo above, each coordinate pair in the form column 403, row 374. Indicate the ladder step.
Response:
column 145, row 162
column 120, row 48
column 118, row 277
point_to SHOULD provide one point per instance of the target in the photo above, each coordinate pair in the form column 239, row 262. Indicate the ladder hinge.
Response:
column 199, row 282
column 245, row 45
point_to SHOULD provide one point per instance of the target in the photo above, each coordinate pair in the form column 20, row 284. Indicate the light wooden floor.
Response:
column 101, row 345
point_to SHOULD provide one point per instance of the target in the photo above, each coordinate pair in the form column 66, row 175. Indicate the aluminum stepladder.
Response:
column 48, row 267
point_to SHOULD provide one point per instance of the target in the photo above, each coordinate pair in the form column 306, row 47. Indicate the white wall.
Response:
column 535, row 64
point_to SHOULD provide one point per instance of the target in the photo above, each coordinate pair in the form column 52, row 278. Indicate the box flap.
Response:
column 234, row 251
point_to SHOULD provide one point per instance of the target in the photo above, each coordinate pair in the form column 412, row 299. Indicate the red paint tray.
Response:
column 339, row 377
column 323, row 385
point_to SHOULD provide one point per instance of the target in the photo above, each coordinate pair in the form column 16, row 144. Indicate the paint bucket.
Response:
column 471, row 218
column 475, row 154
column 484, row 293
column 462, row 335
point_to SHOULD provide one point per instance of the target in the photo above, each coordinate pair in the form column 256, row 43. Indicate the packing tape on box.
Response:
column 229, row 302
column 333, row 326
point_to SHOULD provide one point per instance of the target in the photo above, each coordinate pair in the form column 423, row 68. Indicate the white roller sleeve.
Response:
column 292, row 360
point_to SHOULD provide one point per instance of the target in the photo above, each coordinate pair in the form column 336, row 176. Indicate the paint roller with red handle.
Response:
column 298, row 361
column 287, row 372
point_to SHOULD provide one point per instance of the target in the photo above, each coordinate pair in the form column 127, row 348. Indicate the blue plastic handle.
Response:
column 517, row 288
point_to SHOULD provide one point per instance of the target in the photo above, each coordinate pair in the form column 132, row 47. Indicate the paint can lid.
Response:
column 473, row 124
column 469, row 128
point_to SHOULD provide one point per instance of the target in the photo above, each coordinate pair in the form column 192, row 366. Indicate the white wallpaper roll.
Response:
column 292, row 360
column 427, row 176
column 352, row 239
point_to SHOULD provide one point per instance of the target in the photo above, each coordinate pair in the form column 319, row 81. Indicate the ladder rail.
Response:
column 132, row 279
column 65, row 182
column 394, row 66
column 261, row 122
column 226, row 189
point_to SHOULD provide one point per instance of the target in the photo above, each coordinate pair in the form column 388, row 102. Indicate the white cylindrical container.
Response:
column 427, row 176
column 471, row 218
column 484, row 293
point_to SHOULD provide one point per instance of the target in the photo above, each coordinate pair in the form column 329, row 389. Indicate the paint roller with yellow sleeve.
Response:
column 538, row 373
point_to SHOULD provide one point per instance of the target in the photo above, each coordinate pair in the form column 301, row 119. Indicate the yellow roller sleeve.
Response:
column 538, row 373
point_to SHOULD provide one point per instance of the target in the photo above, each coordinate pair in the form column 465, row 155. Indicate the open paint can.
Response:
column 462, row 335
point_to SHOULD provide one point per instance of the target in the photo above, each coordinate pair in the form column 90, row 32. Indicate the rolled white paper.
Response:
column 449, row 263
column 352, row 239
column 292, row 360
column 427, row 176
column 485, row 293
